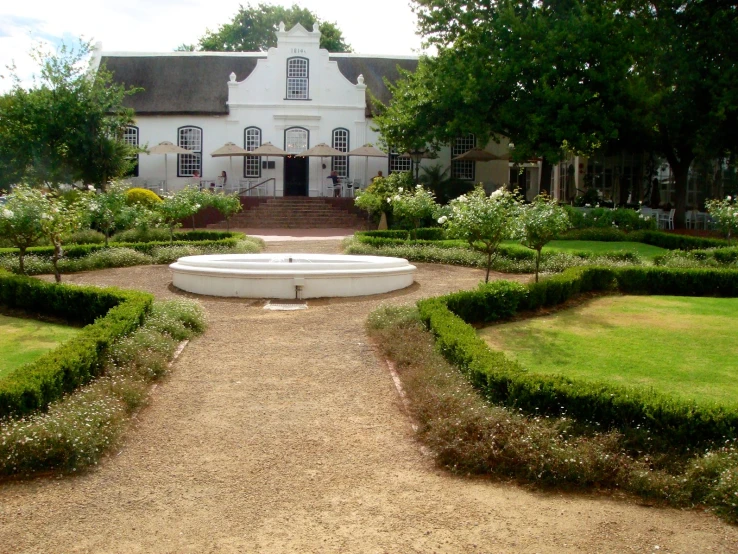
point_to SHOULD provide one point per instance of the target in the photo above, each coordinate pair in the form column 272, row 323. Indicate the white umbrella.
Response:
column 367, row 151
column 321, row 150
column 480, row 155
column 230, row 149
column 166, row 148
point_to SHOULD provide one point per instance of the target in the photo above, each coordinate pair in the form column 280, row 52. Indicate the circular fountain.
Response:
column 290, row 275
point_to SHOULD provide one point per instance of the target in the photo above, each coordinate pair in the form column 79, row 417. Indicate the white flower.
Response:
column 197, row 206
column 397, row 197
column 496, row 194
column 418, row 186
column 400, row 189
column 90, row 187
column 588, row 205
column 729, row 198
column 443, row 219
column 8, row 213
column 389, row 200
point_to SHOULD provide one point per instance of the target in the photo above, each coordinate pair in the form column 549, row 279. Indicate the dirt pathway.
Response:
column 282, row 432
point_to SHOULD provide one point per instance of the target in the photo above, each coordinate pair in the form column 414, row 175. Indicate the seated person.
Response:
column 336, row 184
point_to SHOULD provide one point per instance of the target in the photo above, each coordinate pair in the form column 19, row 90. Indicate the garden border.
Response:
column 502, row 380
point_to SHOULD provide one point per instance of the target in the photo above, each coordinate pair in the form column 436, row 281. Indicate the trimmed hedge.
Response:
column 424, row 233
column 501, row 380
column 109, row 314
column 74, row 251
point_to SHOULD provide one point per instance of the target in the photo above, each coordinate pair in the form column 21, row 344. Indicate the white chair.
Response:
column 666, row 219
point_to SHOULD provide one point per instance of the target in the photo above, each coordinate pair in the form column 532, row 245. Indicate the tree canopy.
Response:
column 67, row 127
column 561, row 77
column 253, row 29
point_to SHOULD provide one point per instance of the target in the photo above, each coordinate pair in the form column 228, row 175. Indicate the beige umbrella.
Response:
column 321, row 150
column 479, row 155
column 167, row 148
column 268, row 149
column 367, row 151
column 230, row 149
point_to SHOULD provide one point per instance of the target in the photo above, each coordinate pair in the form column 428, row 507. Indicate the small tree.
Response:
column 725, row 213
column 178, row 206
column 57, row 221
column 414, row 205
column 540, row 222
column 228, row 205
column 483, row 221
column 20, row 219
column 109, row 210
column 376, row 198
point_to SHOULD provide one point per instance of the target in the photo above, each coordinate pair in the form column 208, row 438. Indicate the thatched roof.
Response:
column 185, row 83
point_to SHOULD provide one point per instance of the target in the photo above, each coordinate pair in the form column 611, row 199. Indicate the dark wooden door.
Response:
column 296, row 176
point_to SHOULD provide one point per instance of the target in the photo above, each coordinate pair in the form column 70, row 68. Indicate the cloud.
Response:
column 13, row 25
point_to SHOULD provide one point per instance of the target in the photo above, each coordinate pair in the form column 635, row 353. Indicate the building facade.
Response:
column 294, row 96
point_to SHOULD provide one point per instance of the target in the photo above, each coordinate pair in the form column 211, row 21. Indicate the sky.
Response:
column 369, row 26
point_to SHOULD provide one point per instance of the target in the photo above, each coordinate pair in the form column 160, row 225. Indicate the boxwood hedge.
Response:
column 107, row 313
column 680, row 424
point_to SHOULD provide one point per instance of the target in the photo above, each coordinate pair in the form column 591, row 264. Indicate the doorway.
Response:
column 296, row 176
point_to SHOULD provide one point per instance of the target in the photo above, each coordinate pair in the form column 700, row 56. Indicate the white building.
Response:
column 295, row 96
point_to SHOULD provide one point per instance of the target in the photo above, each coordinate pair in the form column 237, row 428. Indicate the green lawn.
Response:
column 678, row 345
column 600, row 248
column 24, row 340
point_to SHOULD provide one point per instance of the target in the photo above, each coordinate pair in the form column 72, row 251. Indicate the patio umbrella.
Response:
column 167, row 148
column 480, row 155
column 230, row 149
column 321, row 150
column 367, row 151
column 268, row 149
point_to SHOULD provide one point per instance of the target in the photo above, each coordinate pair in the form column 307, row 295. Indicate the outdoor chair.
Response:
column 666, row 219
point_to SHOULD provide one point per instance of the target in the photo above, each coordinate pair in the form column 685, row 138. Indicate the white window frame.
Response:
column 251, row 141
column 464, row 170
column 298, row 79
column 190, row 138
column 398, row 164
column 131, row 138
column 292, row 140
column 340, row 141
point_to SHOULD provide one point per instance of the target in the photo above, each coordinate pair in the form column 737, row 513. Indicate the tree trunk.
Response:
column 681, row 176
column 228, row 224
column 538, row 262
column 193, row 222
column 21, row 260
column 107, row 237
column 55, row 260
column 489, row 264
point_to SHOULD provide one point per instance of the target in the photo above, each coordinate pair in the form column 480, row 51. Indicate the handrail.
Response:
column 264, row 182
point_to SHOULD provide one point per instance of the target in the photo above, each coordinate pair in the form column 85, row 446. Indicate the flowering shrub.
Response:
column 109, row 210
column 540, row 222
column 227, row 204
column 178, row 206
column 20, row 220
column 414, row 205
column 59, row 220
column 376, row 198
column 483, row 221
column 725, row 213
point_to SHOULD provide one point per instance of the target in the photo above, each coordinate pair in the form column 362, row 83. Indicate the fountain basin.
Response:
column 290, row 275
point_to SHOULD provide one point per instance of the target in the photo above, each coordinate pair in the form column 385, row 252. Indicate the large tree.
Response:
column 573, row 76
column 253, row 29
column 67, row 127
column 537, row 73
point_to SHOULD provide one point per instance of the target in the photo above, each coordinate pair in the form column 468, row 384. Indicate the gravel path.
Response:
column 282, row 432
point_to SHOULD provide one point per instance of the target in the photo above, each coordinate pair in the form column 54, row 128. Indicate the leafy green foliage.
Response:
column 376, row 197
column 109, row 210
column 68, row 127
column 483, row 221
column 540, row 222
column 141, row 196
column 183, row 204
column 254, row 28
column 20, row 219
column 725, row 212
column 414, row 205
column 227, row 204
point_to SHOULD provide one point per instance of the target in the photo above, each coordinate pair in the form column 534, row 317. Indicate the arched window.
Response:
column 340, row 142
column 297, row 79
column 130, row 137
column 398, row 164
column 189, row 138
column 251, row 141
column 296, row 140
column 463, row 169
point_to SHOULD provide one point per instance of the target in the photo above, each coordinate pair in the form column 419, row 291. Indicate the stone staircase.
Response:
column 295, row 212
